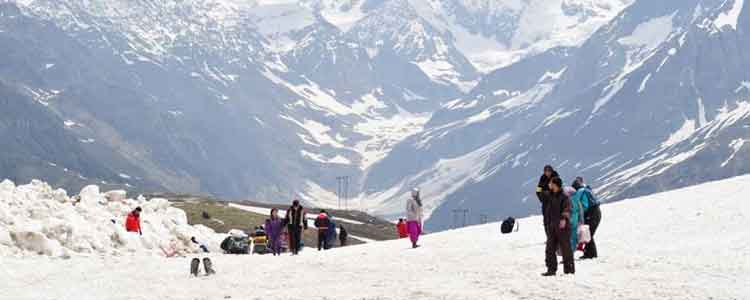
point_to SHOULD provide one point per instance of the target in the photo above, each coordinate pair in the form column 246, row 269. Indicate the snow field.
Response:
column 686, row 244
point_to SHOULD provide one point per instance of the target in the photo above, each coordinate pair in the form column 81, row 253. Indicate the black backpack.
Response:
column 508, row 225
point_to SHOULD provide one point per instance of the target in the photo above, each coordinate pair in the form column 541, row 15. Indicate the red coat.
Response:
column 402, row 232
column 133, row 223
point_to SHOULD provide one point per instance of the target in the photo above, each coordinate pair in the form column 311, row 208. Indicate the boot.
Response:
column 549, row 274
column 208, row 266
column 194, row 267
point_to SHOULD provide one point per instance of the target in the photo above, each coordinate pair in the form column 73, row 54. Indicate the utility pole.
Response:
column 346, row 192
column 460, row 216
column 342, row 190
column 339, row 189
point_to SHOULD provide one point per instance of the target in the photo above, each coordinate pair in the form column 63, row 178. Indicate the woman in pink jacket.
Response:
column 414, row 217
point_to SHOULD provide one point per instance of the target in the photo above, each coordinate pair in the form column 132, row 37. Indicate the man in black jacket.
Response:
column 542, row 188
column 296, row 222
column 557, row 225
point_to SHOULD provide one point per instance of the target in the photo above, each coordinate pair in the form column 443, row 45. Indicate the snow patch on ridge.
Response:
column 436, row 183
column 687, row 130
column 731, row 16
column 736, row 146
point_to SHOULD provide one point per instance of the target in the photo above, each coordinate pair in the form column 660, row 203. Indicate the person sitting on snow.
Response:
column 203, row 247
column 133, row 221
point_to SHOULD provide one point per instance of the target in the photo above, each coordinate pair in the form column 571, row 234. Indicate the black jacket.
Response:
column 543, row 185
column 542, row 188
column 343, row 234
column 296, row 217
column 558, row 208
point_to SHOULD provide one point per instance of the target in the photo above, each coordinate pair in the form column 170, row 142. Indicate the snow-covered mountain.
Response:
column 245, row 98
column 271, row 99
column 684, row 244
column 654, row 100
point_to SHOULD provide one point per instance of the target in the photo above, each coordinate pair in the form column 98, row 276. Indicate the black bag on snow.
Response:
column 508, row 225
column 226, row 243
column 235, row 245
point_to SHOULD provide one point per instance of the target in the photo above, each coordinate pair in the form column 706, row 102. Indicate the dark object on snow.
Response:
column 209, row 266
column 594, row 216
column 194, row 266
column 343, row 235
column 235, row 245
column 508, row 225
column 205, row 215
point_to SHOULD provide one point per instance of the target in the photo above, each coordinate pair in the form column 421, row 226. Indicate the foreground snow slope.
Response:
column 685, row 244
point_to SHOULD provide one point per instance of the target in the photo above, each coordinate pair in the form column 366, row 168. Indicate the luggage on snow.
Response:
column 508, row 225
column 236, row 243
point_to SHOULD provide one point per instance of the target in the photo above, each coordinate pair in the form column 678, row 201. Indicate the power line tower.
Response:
column 460, row 217
column 484, row 219
column 342, row 190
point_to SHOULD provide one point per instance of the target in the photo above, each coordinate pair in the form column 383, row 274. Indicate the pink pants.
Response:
column 414, row 229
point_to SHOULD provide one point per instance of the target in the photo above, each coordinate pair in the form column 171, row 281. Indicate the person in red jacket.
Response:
column 402, row 232
column 322, row 222
column 133, row 222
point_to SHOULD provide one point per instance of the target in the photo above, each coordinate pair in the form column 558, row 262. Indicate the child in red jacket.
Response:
column 401, row 226
column 133, row 222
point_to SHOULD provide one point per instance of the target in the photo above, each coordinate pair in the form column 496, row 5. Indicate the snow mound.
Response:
column 36, row 219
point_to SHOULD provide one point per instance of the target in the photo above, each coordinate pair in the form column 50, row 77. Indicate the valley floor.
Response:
column 687, row 244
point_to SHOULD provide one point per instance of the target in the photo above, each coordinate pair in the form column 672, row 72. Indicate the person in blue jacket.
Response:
column 578, row 201
column 591, row 215
column 331, row 235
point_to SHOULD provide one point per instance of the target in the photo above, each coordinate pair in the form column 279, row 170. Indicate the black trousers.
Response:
column 295, row 235
column 559, row 239
column 322, row 240
column 593, row 219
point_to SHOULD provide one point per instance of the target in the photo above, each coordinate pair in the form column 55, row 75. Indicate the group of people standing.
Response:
column 564, row 209
column 295, row 222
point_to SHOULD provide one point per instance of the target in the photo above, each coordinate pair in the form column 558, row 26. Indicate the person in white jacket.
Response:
column 414, row 217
